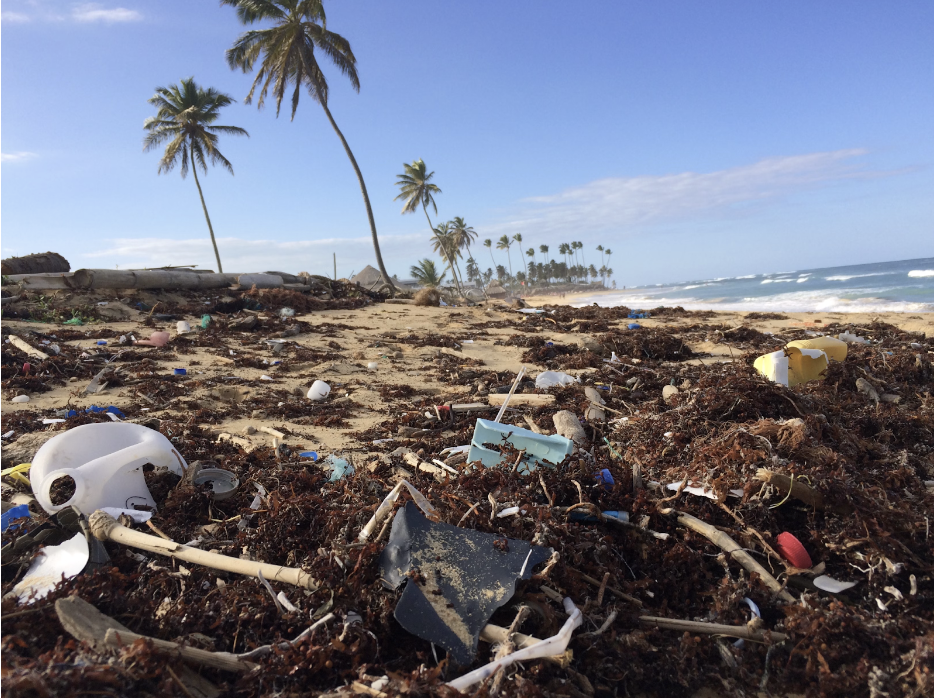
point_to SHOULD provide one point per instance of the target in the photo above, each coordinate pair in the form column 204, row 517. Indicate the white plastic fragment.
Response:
column 508, row 511
column 550, row 647
column 318, row 390
column 135, row 514
column 549, row 379
column 852, row 338
column 286, row 604
column 831, row 585
column 20, row 399
column 51, row 565
column 701, row 491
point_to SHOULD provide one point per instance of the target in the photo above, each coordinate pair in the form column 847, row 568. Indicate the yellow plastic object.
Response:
column 834, row 348
column 16, row 472
column 791, row 365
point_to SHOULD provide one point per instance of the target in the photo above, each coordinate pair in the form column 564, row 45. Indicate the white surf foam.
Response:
column 920, row 273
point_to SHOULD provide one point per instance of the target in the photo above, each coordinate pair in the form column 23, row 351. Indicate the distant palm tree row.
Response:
column 454, row 238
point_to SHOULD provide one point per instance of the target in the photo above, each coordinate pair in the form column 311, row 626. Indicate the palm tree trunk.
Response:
column 366, row 198
column 220, row 269
column 509, row 257
column 444, row 249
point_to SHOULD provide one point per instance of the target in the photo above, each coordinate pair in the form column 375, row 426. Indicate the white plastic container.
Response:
column 106, row 463
column 182, row 327
column 319, row 390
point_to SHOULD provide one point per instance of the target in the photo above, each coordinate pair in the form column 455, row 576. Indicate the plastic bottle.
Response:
column 106, row 463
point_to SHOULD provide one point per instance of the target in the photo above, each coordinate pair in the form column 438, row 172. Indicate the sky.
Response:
column 694, row 139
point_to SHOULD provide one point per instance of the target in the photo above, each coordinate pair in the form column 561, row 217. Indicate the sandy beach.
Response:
column 681, row 404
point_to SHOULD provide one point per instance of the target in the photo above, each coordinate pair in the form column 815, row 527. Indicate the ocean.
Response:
column 905, row 287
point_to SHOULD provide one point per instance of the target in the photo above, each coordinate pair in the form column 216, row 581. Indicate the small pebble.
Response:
column 248, row 430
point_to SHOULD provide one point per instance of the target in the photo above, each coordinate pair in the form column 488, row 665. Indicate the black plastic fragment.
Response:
column 456, row 578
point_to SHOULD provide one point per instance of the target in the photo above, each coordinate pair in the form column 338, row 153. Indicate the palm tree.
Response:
column 600, row 250
column 602, row 272
column 186, row 114
column 489, row 245
column 473, row 271
column 426, row 273
column 463, row 236
column 608, row 252
column 580, row 246
column 416, row 189
column 544, row 250
column 504, row 243
column 592, row 270
column 518, row 238
column 286, row 54
column 564, row 249
column 443, row 240
column 530, row 253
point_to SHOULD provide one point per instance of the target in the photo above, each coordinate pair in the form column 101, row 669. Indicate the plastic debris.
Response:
column 105, row 461
column 156, row 339
column 867, row 389
column 831, row 585
column 53, row 563
column 20, row 511
column 852, row 338
column 462, row 577
column 634, row 326
column 569, row 426
column 549, row 647
column 539, row 449
column 791, row 366
column 318, row 390
column 605, row 477
column 313, row 455
column 286, row 312
column 669, row 394
column 339, row 468
column 20, row 399
column 224, row 483
column 792, row 550
column 549, row 379
column 834, row 348
column 136, row 515
column 701, row 491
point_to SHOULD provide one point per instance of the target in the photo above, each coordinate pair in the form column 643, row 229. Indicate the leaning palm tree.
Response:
column 426, row 273
column 185, row 117
column 464, row 235
column 285, row 52
column 544, row 250
column 417, row 189
column 504, row 243
column 442, row 240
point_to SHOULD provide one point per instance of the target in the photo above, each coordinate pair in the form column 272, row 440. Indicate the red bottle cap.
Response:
column 792, row 550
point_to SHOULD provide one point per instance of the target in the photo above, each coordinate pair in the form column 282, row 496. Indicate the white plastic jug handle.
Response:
column 44, row 495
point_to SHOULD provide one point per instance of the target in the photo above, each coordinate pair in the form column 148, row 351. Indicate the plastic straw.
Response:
column 515, row 384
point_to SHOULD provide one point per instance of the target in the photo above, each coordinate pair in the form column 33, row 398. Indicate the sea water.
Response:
column 906, row 286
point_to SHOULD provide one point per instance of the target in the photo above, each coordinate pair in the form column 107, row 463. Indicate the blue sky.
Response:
column 695, row 139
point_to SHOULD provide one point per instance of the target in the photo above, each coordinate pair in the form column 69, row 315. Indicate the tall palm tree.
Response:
column 608, row 252
column 185, row 117
column 518, row 238
column 426, row 273
column 504, row 243
column 600, row 250
column 544, row 250
column 442, row 240
column 416, row 189
column 286, row 54
column 489, row 245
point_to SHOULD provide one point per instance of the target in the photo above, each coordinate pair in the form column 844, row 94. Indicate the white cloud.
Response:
column 16, row 157
column 93, row 12
column 239, row 255
column 14, row 17
column 622, row 204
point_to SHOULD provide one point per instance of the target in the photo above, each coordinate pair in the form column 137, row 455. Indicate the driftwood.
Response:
column 105, row 527
column 27, row 348
column 497, row 399
column 692, row 626
column 734, row 550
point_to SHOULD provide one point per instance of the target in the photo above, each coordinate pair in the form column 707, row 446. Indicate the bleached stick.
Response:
column 105, row 527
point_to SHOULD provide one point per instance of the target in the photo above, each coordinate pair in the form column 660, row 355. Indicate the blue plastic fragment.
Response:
column 20, row 511
column 309, row 454
column 339, row 468
column 639, row 315
column 181, row 372
column 101, row 342
column 581, row 515
column 100, row 410
column 539, row 448
column 606, row 477
column 634, row 326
